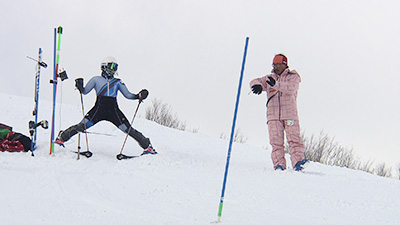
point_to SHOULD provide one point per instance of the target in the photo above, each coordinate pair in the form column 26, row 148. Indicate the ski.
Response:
column 122, row 156
column 87, row 154
column 62, row 75
column 34, row 124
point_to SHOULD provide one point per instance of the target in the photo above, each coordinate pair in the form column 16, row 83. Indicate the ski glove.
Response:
column 257, row 89
column 143, row 94
column 79, row 84
column 271, row 81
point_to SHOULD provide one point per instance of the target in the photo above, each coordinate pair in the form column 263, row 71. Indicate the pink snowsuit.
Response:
column 282, row 115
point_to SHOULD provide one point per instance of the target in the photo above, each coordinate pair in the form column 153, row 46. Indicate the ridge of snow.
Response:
column 180, row 185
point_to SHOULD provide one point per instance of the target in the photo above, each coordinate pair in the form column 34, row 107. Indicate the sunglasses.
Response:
column 278, row 64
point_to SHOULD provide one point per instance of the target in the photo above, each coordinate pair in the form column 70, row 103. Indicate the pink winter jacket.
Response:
column 282, row 98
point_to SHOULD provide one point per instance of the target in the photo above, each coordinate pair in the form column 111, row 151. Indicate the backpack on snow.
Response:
column 13, row 141
column 3, row 126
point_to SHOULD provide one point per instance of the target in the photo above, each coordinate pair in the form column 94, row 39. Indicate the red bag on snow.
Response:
column 3, row 126
column 10, row 145
column 14, row 142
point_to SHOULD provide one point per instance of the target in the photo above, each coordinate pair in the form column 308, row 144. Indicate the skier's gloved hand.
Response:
column 79, row 84
column 271, row 81
column 256, row 89
column 143, row 94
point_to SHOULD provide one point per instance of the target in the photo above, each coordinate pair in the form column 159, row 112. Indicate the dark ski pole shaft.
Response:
column 83, row 114
column 221, row 203
column 79, row 147
column 54, row 81
column 130, row 127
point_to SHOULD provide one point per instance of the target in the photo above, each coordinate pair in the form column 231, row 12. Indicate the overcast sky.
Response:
column 188, row 54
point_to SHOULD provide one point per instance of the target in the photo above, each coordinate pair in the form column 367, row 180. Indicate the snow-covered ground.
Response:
column 180, row 185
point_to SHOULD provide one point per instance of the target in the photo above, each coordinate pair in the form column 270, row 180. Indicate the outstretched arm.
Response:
column 124, row 90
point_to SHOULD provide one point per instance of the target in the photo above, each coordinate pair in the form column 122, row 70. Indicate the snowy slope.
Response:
column 181, row 185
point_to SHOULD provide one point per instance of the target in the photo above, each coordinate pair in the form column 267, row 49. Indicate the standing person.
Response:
column 106, row 107
column 282, row 117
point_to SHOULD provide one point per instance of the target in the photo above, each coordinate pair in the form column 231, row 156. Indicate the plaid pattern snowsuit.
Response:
column 282, row 115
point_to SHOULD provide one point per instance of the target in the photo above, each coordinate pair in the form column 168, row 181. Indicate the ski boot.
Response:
column 59, row 142
column 149, row 150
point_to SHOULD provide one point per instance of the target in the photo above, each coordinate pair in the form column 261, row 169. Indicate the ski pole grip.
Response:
column 79, row 84
column 59, row 30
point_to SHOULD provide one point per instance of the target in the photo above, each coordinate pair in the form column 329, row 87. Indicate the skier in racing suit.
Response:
column 106, row 107
column 282, row 87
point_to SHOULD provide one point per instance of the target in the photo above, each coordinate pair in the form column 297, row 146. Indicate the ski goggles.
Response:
column 112, row 67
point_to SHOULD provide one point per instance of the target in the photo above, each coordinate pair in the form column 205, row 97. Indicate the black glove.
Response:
column 143, row 94
column 79, row 84
column 271, row 81
column 257, row 89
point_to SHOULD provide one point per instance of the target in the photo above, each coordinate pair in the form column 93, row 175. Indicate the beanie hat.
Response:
column 280, row 59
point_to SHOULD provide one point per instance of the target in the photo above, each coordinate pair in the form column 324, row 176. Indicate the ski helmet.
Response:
column 109, row 67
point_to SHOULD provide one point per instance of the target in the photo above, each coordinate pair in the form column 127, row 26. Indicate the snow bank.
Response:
column 180, row 185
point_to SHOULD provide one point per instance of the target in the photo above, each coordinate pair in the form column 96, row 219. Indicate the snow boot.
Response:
column 300, row 165
column 279, row 167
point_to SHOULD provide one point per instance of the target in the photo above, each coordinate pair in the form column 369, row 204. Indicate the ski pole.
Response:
column 83, row 114
column 97, row 133
column 79, row 146
column 41, row 63
column 221, row 204
column 129, row 129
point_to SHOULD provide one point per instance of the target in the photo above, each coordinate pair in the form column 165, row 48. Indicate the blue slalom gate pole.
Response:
column 221, row 203
column 54, row 82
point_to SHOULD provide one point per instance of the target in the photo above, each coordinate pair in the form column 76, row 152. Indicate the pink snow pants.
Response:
column 276, row 130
